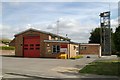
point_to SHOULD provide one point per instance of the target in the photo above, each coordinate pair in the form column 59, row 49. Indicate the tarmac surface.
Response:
column 44, row 68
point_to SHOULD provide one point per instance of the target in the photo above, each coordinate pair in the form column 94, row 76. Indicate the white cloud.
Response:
column 9, row 31
column 76, row 31
column 5, row 31
column 76, row 21
column 114, row 23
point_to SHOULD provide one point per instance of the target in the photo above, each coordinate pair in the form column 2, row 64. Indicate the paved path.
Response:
column 7, row 52
column 44, row 68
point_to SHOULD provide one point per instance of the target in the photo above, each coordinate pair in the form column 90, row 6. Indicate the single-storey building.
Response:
column 37, row 43
column 90, row 49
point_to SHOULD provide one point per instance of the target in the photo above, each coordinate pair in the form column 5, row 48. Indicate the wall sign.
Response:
column 63, row 48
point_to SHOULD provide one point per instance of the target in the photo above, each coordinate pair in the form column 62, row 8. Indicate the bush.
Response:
column 77, row 57
column 116, row 53
column 7, row 48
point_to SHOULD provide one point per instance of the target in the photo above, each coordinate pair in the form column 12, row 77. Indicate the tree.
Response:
column 117, row 39
column 95, row 36
column 112, row 44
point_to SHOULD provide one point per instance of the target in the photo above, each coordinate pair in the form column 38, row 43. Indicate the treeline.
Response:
column 115, row 39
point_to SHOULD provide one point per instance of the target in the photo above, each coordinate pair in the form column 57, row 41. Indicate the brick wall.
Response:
column 90, row 49
column 19, row 42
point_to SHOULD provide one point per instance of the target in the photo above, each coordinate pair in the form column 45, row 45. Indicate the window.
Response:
column 37, row 48
column 31, row 48
column 48, row 45
column 56, row 48
column 56, row 38
column 31, row 45
column 25, row 48
column 77, row 50
column 61, row 39
column 25, row 44
column 83, row 47
column 37, row 44
column 52, row 38
column 74, row 47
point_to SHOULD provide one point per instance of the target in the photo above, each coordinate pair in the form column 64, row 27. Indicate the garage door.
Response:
column 31, row 46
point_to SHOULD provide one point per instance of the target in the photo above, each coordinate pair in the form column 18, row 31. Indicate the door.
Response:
column 31, row 46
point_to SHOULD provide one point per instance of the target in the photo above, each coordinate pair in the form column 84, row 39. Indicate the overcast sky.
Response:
column 76, row 19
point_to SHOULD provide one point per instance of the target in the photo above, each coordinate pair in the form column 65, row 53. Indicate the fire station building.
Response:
column 37, row 43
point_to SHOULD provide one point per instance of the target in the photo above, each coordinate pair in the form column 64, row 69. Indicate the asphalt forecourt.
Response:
column 44, row 68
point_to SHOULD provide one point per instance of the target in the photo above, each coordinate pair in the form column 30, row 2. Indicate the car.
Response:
column 88, row 56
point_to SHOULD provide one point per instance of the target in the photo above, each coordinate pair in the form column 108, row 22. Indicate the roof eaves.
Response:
column 73, row 42
column 89, row 44
column 56, row 41
column 31, row 30
column 41, row 32
column 59, row 36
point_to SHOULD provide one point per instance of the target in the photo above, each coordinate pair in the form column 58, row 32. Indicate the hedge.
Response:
column 7, row 48
column 77, row 57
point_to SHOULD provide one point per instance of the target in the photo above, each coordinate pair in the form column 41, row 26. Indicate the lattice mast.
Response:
column 105, row 33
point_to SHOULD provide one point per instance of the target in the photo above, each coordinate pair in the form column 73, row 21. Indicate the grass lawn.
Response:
column 103, row 68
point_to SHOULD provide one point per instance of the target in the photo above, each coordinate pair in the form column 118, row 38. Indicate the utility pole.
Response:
column 58, row 27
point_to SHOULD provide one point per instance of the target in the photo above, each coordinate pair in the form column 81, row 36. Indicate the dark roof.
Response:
column 12, row 43
column 89, row 44
column 61, row 41
column 31, row 29
column 73, row 42
column 56, row 41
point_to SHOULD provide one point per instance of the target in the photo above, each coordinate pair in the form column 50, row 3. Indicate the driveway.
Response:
column 14, row 67
column 43, row 66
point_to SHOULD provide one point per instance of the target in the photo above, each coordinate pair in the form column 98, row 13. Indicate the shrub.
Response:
column 77, row 57
column 116, row 53
column 7, row 48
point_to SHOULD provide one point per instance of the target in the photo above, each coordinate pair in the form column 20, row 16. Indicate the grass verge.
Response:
column 103, row 68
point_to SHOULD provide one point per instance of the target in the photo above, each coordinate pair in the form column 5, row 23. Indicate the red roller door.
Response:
column 31, row 47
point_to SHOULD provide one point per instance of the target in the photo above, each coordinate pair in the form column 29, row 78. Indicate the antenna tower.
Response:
column 105, row 33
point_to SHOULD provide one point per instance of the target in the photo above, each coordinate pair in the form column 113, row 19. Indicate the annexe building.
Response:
column 90, row 49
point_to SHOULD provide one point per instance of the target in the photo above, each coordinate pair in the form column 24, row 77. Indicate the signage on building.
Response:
column 63, row 50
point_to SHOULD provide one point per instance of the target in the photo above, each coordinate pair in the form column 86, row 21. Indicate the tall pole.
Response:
column 58, row 27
